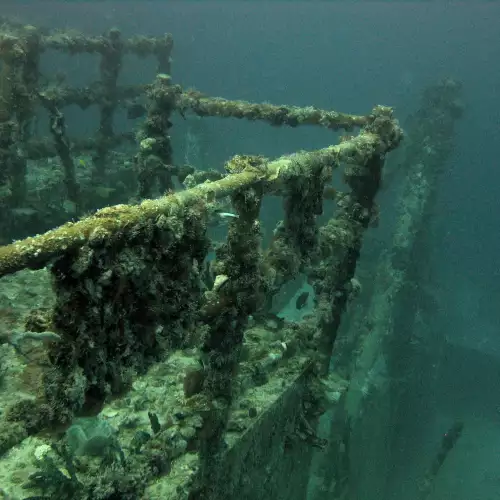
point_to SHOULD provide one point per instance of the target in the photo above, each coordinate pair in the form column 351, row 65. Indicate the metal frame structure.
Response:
column 132, row 290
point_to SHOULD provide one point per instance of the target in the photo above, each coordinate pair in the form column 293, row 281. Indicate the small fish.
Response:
column 135, row 110
column 222, row 218
column 228, row 215
column 329, row 193
column 301, row 300
column 23, row 212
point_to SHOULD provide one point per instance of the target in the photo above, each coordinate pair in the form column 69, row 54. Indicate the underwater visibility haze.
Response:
column 249, row 250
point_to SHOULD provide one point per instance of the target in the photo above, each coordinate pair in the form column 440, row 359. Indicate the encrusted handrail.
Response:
column 110, row 222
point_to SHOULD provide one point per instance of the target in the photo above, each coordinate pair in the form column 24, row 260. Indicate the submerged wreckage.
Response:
column 141, row 356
